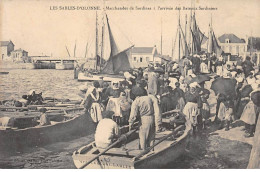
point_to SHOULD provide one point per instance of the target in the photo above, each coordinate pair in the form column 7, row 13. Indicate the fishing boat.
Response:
column 26, row 132
column 168, row 146
column 3, row 73
column 111, row 56
column 97, row 77
column 43, row 65
column 48, row 103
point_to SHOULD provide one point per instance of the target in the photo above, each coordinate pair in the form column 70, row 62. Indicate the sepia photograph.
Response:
column 129, row 84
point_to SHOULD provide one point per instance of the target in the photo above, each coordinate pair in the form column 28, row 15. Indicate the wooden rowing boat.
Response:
column 168, row 146
column 3, row 73
column 71, row 124
column 96, row 77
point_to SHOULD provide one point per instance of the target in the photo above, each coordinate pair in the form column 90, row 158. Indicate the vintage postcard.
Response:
column 129, row 84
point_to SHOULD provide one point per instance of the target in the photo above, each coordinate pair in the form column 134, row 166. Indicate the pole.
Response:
column 86, row 50
column 75, row 48
column 185, row 35
column 179, row 37
column 211, row 20
column 190, row 35
column 172, row 48
column 96, row 53
column 161, row 37
column 102, row 43
column 67, row 51
column 208, row 39
column 251, row 46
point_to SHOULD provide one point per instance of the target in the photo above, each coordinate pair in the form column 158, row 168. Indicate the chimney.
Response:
column 247, row 43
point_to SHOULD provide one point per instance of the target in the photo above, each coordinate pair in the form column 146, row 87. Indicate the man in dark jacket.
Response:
column 247, row 66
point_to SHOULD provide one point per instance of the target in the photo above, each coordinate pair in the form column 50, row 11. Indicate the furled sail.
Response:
column 197, row 38
column 213, row 46
column 182, row 47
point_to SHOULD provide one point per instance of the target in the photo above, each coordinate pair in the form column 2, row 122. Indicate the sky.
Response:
column 36, row 27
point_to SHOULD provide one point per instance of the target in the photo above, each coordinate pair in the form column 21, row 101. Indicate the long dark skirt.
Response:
column 240, row 108
column 88, row 102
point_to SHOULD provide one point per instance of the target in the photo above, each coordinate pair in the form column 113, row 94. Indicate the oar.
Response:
column 10, row 107
column 170, row 112
column 121, row 138
column 161, row 140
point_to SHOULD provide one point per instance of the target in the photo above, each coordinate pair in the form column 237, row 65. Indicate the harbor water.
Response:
column 52, row 83
column 206, row 151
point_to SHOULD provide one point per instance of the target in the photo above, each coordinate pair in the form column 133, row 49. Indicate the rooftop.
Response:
column 142, row 50
column 19, row 50
column 232, row 38
column 5, row 43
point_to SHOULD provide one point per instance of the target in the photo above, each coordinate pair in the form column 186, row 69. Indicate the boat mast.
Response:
column 96, row 53
column 67, row 51
column 209, row 36
column 185, row 36
column 102, row 42
column 251, row 46
column 161, row 37
column 172, row 48
column 211, row 20
column 86, row 50
column 75, row 48
column 190, row 35
column 179, row 37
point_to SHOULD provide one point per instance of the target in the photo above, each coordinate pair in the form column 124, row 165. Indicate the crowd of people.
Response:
column 145, row 94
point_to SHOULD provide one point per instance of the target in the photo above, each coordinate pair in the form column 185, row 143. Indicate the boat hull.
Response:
column 165, row 157
column 152, row 160
column 17, row 139
column 96, row 77
column 4, row 73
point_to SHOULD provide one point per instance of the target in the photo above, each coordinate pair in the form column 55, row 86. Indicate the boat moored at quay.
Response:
column 65, row 123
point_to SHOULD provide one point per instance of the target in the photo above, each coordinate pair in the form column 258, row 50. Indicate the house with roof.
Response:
column 6, row 47
column 232, row 44
column 19, row 55
column 143, row 56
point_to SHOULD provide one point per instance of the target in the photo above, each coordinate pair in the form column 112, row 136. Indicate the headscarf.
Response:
column 31, row 92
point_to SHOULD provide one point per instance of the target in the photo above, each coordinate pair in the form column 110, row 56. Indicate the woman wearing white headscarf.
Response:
column 219, row 66
column 191, row 109
column 249, row 116
column 225, row 112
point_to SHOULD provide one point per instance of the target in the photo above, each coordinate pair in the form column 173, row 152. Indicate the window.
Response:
column 141, row 59
column 134, row 58
column 237, row 49
column 147, row 59
column 227, row 40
